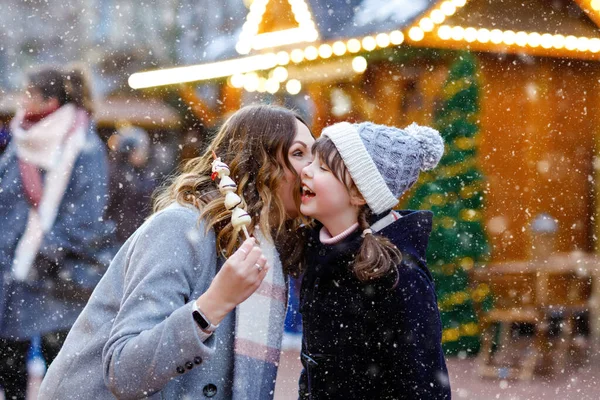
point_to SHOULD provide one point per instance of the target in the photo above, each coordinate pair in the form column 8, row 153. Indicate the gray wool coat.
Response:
column 136, row 337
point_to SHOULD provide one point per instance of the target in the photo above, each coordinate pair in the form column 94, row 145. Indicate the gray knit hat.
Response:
column 384, row 161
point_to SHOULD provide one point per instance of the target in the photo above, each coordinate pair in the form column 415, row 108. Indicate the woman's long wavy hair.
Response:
column 254, row 142
column 377, row 256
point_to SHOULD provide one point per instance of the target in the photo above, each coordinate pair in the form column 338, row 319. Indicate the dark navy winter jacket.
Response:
column 372, row 340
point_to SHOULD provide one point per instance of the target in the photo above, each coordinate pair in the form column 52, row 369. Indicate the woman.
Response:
column 150, row 328
column 53, row 180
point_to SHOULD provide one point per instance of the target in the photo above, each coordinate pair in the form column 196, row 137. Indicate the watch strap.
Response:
column 201, row 320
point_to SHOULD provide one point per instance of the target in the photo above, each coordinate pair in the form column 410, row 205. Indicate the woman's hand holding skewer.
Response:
column 237, row 279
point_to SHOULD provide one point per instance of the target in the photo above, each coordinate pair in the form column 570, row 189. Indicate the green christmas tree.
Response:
column 454, row 192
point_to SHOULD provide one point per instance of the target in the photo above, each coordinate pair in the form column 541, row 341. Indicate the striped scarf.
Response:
column 259, row 330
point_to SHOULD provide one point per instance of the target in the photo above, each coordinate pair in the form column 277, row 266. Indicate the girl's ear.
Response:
column 356, row 199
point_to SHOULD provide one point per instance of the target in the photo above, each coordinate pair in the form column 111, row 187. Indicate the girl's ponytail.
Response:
column 377, row 256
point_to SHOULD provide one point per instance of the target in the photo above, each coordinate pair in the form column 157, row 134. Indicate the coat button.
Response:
column 180, row 369
column 198, row 360
column 209, row 390
column 189, row 365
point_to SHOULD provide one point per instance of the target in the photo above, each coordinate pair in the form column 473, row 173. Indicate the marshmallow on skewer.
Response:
column 232, row 200
column 219, row 168
column 227, row 187
column 240, row 218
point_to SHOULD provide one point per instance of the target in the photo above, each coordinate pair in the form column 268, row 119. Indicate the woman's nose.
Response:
column 305, row 171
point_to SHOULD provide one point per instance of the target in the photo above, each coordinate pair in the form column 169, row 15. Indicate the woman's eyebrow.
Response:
column 299, row 142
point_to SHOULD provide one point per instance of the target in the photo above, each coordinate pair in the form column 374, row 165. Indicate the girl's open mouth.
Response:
column 307, row 193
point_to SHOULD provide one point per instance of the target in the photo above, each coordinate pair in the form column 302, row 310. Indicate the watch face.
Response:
column 202, row 323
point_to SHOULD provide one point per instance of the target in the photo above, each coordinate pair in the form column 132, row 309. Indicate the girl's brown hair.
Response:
column 254, row 143
column 377, row 256
column 67, row 85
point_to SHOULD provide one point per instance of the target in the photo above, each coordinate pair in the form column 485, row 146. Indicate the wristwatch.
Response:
column 201, row 320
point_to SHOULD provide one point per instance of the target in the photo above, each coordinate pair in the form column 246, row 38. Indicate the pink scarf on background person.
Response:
column 53, row 145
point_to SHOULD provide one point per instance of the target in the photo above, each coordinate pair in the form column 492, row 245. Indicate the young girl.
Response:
column 371, row 323
column 166, row 320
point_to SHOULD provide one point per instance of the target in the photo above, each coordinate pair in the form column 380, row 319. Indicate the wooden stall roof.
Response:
column 530, row 16
column 563, row 28
column 559, row 28
column 147, row 113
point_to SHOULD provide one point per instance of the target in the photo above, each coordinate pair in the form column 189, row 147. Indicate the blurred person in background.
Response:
column 53, row 192
column 131, row 183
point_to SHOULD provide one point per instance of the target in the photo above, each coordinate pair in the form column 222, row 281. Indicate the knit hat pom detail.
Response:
column 431, row 144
